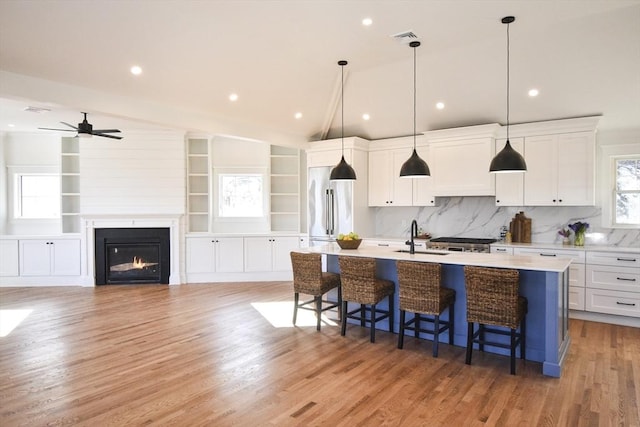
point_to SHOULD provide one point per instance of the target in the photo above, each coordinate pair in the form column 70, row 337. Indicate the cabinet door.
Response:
column 200, row 253
column 379, row 183
column 282, row 246
column 8, row 258
column 229, row 254
column 401, row 188
column 65, row 257
column 541, row 177
column 461, row 168
column 35, row 257
column 423, row 187
column 510, row 186
column 257, row 254
column 576, row 182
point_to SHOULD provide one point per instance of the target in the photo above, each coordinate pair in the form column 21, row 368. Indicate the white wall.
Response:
column 140, row 174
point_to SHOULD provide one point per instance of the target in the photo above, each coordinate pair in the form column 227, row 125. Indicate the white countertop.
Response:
column 518, row 262
column 558, row 246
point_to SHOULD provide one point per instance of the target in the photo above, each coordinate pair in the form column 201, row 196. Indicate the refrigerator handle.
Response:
column 332, row 210
column 327, row 205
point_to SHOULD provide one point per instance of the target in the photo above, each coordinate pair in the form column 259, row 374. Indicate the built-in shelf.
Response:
column 70, row 185
column 198, row 199
column 285, row 189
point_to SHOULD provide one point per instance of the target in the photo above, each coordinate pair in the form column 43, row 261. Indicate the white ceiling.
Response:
column 281, row 58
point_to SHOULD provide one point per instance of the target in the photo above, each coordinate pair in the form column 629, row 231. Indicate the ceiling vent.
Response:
column 31, row 109
column 405, row 37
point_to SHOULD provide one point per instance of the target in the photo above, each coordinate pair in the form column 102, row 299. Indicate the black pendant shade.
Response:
column 508, row 160
column 415, row 167
column 342, row 171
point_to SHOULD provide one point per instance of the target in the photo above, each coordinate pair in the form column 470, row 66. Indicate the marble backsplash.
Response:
column 479, row 217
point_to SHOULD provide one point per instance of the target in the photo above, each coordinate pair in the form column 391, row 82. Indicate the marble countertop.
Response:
column 519, row 262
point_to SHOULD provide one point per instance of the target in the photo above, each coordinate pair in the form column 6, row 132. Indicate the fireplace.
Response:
column 132, row 255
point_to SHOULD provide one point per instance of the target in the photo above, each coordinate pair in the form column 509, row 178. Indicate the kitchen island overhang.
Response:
column 544, row 281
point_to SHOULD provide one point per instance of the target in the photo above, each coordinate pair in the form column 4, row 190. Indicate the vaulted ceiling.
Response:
column 280, row 57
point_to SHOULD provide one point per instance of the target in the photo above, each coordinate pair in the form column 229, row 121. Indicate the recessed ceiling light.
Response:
column 366, row 116
column 11, row 125
column 533, row 92
column 233, row 97
column 440, row 105
column 298, row 115
column 136, row 70
column 367, row 21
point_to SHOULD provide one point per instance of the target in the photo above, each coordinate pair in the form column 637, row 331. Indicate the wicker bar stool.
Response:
column 360, row 285
column 309, row 279
column 420, row 292
column 492, row 298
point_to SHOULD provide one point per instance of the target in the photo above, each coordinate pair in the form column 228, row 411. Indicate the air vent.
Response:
column 405, row 37
column 31, row 109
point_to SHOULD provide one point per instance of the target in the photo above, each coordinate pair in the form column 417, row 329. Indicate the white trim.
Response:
column 609, row 153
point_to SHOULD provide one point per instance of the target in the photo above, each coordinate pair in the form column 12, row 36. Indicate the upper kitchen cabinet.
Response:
column 560, row 170
column 459, row 160
column 510, row 186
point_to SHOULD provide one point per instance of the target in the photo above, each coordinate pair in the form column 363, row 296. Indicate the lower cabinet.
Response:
column 613, row 283
column 9, row 258
column 263, row 254
column 49, row 257
column 215, row 254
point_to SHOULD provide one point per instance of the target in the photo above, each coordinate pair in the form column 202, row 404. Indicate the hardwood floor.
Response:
column 203, row 355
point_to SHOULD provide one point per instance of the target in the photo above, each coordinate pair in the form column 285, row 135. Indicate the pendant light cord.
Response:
column 508, row 72
column 342, row 106
column 414, row 97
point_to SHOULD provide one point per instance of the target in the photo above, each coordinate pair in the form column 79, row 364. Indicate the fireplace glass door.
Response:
column 133, row 263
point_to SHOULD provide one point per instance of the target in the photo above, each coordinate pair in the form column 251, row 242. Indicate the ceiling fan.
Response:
column 85, row 129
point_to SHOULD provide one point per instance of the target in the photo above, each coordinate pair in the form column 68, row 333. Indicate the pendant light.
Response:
column 508, row 159
column 342, row 171
column 414, row 167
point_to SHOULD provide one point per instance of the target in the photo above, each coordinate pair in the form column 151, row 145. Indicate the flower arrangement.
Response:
column 564, row 232
column 579, row 228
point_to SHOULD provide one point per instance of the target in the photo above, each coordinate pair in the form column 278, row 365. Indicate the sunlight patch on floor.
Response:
column 9, row 319
column 280, row 315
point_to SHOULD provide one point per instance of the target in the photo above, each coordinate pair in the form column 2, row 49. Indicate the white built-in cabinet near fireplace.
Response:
column 49, row 257
column 215, row 254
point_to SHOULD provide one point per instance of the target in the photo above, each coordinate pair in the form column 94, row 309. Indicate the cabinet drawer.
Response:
column 501, row 250
column 620, row 259
column 614, row 278
column 613, row 302
column 575, row 255
column 576, row 298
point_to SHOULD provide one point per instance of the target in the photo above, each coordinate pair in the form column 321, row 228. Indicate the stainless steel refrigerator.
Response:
column 330, row 206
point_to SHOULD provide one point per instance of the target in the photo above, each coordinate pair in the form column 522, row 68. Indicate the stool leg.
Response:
column 401, row 331
column 318, row 301
column 513, row 352
column 391, row 313
column 362, row 316
column 451, row 323
column 523, row 338
column 416, row 325
column 343, row 327
column 296, row 297
column 436, row 335
column 373, row 323
column 481, row 336
column 469, row 342
column 339, row 303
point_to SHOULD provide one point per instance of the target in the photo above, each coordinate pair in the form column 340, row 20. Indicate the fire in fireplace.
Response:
column 132, row 255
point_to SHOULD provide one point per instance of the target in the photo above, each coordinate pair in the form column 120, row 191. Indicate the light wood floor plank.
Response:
column 202, row 355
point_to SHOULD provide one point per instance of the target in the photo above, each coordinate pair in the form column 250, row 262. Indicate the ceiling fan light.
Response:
column 343, row 171
column 508, row 160
column 414, row 167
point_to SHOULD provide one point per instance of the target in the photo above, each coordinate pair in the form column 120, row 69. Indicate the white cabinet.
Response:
column 505, row 250
column 198, row 184
column 461, row 167
column 215, row 254
column 262, row 254
column 560, row 170
column 510, row 186
column 285, row 189
column 53, row 257
column 613, row 283
column 9, row 257
column 70, row 185
column 386, row 188
column 576, row 271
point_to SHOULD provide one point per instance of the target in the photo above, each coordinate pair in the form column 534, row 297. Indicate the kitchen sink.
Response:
column 406, row 251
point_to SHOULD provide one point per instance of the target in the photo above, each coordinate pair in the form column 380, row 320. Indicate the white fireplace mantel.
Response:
column 91, row 222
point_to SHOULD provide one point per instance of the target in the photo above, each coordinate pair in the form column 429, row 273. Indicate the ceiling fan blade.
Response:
column 106, row 136
column 105, row 130
column 71, row 126
column 63, row 130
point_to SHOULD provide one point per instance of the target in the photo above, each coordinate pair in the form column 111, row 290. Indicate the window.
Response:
column 627, row 191
column 241, row 195
column 37, row 195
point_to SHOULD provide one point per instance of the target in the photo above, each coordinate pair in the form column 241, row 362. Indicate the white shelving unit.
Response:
column 70, row 185
column 285, row 189
column 198, row 184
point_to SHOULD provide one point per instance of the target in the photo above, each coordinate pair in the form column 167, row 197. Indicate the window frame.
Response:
column 14, row 199
column 617, row 191
column 263, row 218
column 609, row 155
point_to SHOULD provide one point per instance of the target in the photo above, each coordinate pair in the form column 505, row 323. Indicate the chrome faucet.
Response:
column 414, row 234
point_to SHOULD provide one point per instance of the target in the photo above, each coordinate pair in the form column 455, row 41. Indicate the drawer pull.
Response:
column 501, row 250
column 383, row 244
column 627, row 259
column 625, row 303
column 548, row 255
column 625, row 279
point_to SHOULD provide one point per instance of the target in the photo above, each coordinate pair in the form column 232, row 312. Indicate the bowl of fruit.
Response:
column 348, row 241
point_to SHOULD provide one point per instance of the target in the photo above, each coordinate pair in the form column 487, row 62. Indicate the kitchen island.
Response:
column 544, row 282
